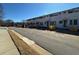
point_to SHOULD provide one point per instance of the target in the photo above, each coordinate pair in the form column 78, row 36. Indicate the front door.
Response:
column 65, row 23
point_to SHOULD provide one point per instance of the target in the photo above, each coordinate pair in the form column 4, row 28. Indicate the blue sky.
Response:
column 19, row 11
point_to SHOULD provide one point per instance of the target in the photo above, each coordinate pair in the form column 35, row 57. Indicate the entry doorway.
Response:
column 65, row 23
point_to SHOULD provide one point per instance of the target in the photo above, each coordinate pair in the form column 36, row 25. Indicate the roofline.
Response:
column 50, row 14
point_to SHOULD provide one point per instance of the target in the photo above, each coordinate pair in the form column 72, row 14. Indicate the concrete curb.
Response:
column 27, row 46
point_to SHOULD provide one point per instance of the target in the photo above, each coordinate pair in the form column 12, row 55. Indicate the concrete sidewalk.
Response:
column 7, row 46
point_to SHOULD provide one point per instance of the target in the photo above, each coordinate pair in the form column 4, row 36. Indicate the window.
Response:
column 70, row 22
column 52, row 22
column 37, row 22
column 51, row 15
column 47, row 23
column 75, row 21
column 64, row 11
column 70, row 11
column 76, row 11
column 59, row 13
column 55, row 14
column 60, row 22
column 41, row 23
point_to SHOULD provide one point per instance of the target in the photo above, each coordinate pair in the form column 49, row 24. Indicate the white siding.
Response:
column 60, row 17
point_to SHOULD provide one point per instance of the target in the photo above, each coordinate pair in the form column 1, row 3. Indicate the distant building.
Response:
column 18, row 24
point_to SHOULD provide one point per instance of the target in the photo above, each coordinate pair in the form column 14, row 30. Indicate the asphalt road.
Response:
column 54, row 42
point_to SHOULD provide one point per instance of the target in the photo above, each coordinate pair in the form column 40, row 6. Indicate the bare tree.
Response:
column 1, row 22
column 1, row 15
column 9, row 22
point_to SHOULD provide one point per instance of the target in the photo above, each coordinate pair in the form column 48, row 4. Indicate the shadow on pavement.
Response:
column 67, row 32
column 64, row 31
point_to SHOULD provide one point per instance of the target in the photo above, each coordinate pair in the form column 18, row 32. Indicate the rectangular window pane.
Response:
column 75, row 21
column 60, row 22
column 55, row 22
column 51, row 23
column 70, row 22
